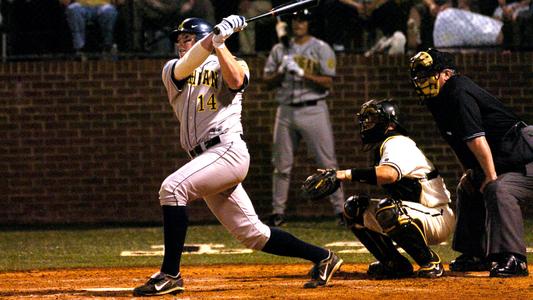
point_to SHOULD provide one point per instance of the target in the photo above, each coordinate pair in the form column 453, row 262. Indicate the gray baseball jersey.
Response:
column 302, row 115
column 208, row 110
column 315, row 57
column 204, row 106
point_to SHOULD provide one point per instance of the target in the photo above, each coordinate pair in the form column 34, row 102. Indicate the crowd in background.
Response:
column 141, row 27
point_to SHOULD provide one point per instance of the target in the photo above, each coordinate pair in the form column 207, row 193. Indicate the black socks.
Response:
column 174, row 229
column 285, row 244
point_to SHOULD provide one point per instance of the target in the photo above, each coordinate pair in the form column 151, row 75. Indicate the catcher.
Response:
column 416, row 211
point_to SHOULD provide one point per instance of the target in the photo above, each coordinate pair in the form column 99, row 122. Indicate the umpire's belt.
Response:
column 202, row 147
column 305, row 103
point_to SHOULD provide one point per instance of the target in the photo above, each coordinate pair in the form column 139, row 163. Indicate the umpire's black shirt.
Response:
column 463, row 111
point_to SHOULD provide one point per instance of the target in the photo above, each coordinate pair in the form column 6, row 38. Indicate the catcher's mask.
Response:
column 198, row 27
column 425, row 68
column 374, row 120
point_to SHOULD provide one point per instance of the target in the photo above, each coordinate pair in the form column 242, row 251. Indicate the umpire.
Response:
column 495, row 149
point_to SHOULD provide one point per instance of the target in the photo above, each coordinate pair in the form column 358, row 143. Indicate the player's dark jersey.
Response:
column 464, row 111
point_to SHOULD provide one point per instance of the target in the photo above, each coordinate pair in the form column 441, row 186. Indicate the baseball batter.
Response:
column 305, row 72
column 416, row 212
column 205, row 91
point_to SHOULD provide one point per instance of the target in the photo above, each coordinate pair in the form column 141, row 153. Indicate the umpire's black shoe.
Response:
column 160, row 284
column 390, row 270
column 469, row 263
column 276, row 220
column 509, row 266
column 322, row 272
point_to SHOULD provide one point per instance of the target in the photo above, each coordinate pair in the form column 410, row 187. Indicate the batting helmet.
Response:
column 374, row 120
column 197, row 26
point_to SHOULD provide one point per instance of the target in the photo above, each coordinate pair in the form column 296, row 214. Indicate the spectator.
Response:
column 460, row 28
column 304, row 72
column 81, row 12
column 153, row 19
column 509, row 10
column 421, row 22
column 251, row 8
column 514, row 15
column 342, row 23
column 390, row 18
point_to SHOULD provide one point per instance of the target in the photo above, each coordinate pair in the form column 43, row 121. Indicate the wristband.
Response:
column 364, row 175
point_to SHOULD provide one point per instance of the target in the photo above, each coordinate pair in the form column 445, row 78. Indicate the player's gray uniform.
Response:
column 302, row 113
column 209, row 111
column 433, row 209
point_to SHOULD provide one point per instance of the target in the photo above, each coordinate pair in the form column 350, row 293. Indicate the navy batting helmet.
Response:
column 197, row 26
column 375, row 117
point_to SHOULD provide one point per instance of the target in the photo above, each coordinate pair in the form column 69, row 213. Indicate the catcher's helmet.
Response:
column 425, row 68
column 197, row 26
column 374, row 120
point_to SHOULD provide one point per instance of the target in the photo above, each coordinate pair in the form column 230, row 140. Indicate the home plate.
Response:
column 107, row 289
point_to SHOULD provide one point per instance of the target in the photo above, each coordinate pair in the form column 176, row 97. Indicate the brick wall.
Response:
column 91, row 142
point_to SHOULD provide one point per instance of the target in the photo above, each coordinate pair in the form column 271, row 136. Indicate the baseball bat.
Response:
column 281, row 10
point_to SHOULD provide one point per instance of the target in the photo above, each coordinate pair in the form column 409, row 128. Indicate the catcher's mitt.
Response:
column 320, row 185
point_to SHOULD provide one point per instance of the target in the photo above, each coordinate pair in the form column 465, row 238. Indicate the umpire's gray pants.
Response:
column 492, row 222
column 313, row 125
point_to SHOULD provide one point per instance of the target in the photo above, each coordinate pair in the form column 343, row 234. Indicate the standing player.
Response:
column 415, row 213
column 495, row 149
column 305, row 71
column 205, row 91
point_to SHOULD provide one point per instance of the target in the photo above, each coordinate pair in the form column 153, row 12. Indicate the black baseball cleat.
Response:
column 160, row 284
column 432, row 269
column 469, row 263
column 390, row 269
column 276, row 220
column 509, row 265
column 322, row 272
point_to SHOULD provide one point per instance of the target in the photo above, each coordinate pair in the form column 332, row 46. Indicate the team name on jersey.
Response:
column 310, row 66
column 205, row 77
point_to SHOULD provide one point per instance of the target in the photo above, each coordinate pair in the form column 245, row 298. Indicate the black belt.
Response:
column 304, row 103
column 208, row 144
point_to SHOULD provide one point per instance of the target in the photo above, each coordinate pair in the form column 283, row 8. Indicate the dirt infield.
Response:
column 257, row 282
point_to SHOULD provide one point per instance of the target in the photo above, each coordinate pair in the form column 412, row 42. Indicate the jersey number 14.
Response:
column 211, row 103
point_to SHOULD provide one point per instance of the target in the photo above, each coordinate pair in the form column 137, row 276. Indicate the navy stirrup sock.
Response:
column 285, row 244
column 174, row 228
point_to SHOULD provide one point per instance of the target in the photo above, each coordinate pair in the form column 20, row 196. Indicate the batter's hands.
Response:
column 227, row 27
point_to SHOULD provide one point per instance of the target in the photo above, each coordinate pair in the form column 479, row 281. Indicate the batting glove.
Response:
column 227, row 27
column 293, row 68
column 286, row 58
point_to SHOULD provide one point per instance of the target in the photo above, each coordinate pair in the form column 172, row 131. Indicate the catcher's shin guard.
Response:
column 405, row 231
column 391, row 263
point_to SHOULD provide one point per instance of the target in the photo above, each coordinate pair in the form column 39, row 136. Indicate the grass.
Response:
column 69, row 247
